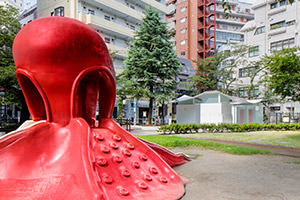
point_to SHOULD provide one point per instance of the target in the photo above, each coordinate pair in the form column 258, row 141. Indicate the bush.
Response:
column 224, row 127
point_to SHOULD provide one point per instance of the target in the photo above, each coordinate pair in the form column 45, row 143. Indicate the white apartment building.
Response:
column 15, row 3
column 228, row 30
column 276, row 26
column 28, row 15
column 114, row 20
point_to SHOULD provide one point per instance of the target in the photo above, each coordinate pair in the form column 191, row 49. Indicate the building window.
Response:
column 275, row 108
column 243, row 92
column 132, row 27
column 283, row 44
column 182, row 31
column 107, row 17
column 243, row 72
column 290, row 23
column 277, row 25
column 59, row 11
column 182, row 20
column 182, row 42
column 107, row 40
column 260, row 30
column 284, row 2
column 253, row 51
column 182, row 53
column 247, row 72
column 274, row 5
column 90, row 11
column 182, row 9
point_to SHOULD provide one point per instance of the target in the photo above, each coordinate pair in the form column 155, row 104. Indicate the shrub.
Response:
column 224, row 127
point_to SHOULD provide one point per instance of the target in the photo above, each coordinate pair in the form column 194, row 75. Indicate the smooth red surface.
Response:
column 65, row 70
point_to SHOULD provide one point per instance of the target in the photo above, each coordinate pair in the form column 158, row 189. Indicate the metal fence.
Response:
column 125, row 123
column 277, row 118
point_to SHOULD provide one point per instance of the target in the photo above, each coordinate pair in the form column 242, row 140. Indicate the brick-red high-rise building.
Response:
column 195, row 28
column 202, row 27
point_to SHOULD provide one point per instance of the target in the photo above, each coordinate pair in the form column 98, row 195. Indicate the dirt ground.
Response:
column 219, row 176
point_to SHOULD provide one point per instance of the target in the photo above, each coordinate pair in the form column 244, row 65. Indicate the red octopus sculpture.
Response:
column 65, row 72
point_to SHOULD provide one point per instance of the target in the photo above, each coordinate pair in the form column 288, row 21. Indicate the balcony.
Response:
column 120, row 51
column 206, row 34
column 206, row 2
column 228, row 21
column 208, row 24
column 200, row 13
column 120, row 9
column 159, row 6
column 277, row 10
column 106, row 26
column 209, row 12
column 277, row 31
column 200, row 48
column 210, row 2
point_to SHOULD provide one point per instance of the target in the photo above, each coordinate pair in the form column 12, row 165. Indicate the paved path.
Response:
column 220, row 176
column 144, row 130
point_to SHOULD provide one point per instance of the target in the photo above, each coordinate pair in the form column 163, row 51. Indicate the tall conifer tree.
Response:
column 152, row 65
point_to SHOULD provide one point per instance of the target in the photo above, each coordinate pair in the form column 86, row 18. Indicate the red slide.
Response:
column 66, row 74
column 47, row 161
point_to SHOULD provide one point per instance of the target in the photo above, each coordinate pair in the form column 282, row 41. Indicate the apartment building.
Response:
column 276, row 26
column 114, row 20
column 28, row 15
column 201, row 26
column 15, row 3
column 228, row 30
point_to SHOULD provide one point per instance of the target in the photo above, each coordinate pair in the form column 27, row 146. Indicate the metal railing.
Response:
column 277, row 118
column 125, row 123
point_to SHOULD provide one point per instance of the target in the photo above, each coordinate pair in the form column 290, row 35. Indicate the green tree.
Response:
column 218, row 71
column 9, row 27
column 152, row 65
column 206, row 73
column 283, row 73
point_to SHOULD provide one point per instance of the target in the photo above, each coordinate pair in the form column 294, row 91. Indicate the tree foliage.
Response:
column 219, row 71
column 152, row 65
column 9, row 27
column 283, row 73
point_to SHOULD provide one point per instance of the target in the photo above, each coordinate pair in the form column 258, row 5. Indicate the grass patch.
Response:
column 296, row 162
column 175, row 141
column 282, row 138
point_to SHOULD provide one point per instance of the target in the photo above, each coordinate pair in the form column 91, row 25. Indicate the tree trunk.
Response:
column 149, row 120
column 163, row 114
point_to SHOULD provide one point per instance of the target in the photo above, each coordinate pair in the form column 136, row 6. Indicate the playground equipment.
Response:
column 65, row 72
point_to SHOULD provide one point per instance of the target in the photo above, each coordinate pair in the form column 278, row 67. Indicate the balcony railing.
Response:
column 105, row 25
column 206, row 2
column 208, row 24
column 121, row 9
column 119, row 51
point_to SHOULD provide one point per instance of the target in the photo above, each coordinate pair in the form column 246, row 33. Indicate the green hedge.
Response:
column 220, row 128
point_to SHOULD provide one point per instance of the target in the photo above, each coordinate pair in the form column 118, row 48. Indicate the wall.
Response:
column 226, row 113
column 211, row 113
column 188, row 114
